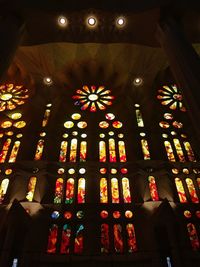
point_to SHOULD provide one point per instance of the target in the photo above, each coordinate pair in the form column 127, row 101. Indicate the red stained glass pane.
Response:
column 69, row 191
column 112, row 152
column 169, row 151
column 31, row 188
column 58, row 191
column 117, row 124
column 153, row 188
column 103, row 190
column 105, row 244
column 104, row 214
column 180, row 190
column 81, row 190
column 122, row 151
column 145, row 149
column 131, row 238
column 65, row 242
column 63, row 151
column 189, row 151
column 52, row 239
column 194, row 240
column 39, row 150
column 102, row 151
column 126, row 190
column 118, row 241
column 115, row 190
column 4, row 151
column 78, row 242
column 192, row 191
column 83, row 151
column 14, row 152
column 73, row 150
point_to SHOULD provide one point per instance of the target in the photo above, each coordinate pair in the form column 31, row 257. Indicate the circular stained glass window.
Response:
column 8, row 171
column 15, row 116
column 71, row 171
column 103, row 170
column 124, row 170
column 82, row 124
column 186, row 171
column 120, row 135
column 116, row 214
column 104, row 214
column 103, row 124
column 177, row 124
column 48, row 105
column 43, row 134
column 137, row 105
column 175, row 171
column 6, row 124
column 74, row 133
column 128, row 214
column 19, row 124
column 111, row 133
column 9, row 133
column 187, row 214
column 1, row 134
column 173, row 133
column 198, row 213
column 183, row 135
column 168, row 116
column 67, row 215
column 80, row 214
column 117, row 124
column 110, row 116
column 61, row 170
column 55, row 214
column 76, row 116
column 165, row 135
column 164, row 124
column 65, row 135
column 19, row 135
column 113, row 171
column 196, row 171
column 82, row 170
column 68, row 124
column 142, row 134
column 102, row 135
column 83, row 135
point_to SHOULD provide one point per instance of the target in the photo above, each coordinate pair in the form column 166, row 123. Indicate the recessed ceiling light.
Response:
column 62, row 21
column 91, row 21
column 120, row 22
column 138, row 81
column 47, row 80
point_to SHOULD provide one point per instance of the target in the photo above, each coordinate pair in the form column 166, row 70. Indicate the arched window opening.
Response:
column 118, row 241
column 103, row 190
column 189, row 151
column 31, row 188
column 145, row 149
column 192, row 191
column 52, row 239
column 73, row 150
column 65, row 240
column 39, row 150
column 132, row 246
column 112, row 151
column 58, row 191
column 4, row 150
column 153, row 188
column 14, row 152
column 139, row 118
column 83, row 151
column 126, row 190
column 46, row 117
column 180, row 190
column 78, row 242
column 169, row 150
column 69, row 191
column 63, row 151
column 81, row 191
column 105, row 243
column 102, row 151
column 122, row 151
column 179, row 150
column 115, row 190
column 3, row 189
column 194, row 240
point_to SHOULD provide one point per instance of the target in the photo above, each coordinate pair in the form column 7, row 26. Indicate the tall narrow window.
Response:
column 145, row 149
column 169, row 151
column 81, row 190
column 192, row 191
column 102, row 151
column 131, row 238
column 118, row 241
column 122, row 151
column 112, row 152
column 179, row 150
column 65, row 241
column 14, row 152
column 194, row 240
column 39, row 150
column 115, row 190
column 198, row 182
column 63, row 151
column 78, row 242
column 46, row 117
column 189, row 151
column 105, row 244
column 52, row 239
column 3, row 189
column 58, row 191
column 69, row 191
column 139, row 118
column 126, row 190
column 103, row 190
column 153, row 188
column 4, row 150
column 73, row 150
column 180, row 190
column 83, row 151
column 31, row 188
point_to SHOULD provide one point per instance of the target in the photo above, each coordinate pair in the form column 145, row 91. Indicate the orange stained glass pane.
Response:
column 31, row 188
column 52, row 239
column 102, row 151
column 105, row 244
column 115, row 190
column 3, row 189
column 122, row 151
column 14, row 152
column 39, row 150
column 58, row 191
column 83, row 151
column 112, row 152
column 132, row 246
column 103, row 190
column 65, row 240
column 153, row 188
column 192, row 191
column 63, row 151
column 169, row 151
column 69, row 191
column 198, row 182
column 179, row 150
column 46, row 117
column 140, row 121
column 4, row 150
column 194, row 240
column 180, row 190
column 81, row 190
column 73, row 150
column 189, row 151
column 126, row 190
column 145, row 149
column 78, row 242
column 118, row 241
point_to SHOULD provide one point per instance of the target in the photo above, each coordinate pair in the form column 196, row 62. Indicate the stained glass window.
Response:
column 189, row 151
column 83, row 151
column 192, row 191
column 31, row 188
column 4, row 150
column 139, row 118
column 39, row 150
column 126, row 190
column 105, row 244
column 52, row 239
column 118, row 241
column 78, row 242
column 63, row 151
column 46, row 117
column 115, row 190
column 102, row 151
column 112, row 152
column 14, row 152
column 132, row 246
column 103, row 190
column 194, row 240
column 198, row 182
column 145, row 149
column 180, row 190
column 69, row 191
column 3, row 189
column 169, row 151
column 179, row 150
column 122, row 151
column 58, row 191
column 65, row 241
column 73, row 150
column 153, row 188
column 81, row 190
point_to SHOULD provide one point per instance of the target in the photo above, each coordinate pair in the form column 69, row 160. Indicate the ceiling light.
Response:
column 62, row 21
column 91, row 21
column 138, row 81
column 47, row 80
column 120, row 22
